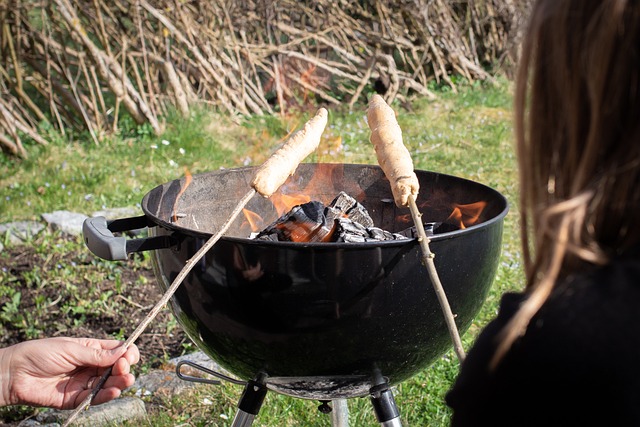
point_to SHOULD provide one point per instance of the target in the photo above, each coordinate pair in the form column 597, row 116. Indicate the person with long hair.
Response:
column 566, row 350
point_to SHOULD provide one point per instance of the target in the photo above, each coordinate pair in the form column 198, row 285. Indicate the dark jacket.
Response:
column 578, row 364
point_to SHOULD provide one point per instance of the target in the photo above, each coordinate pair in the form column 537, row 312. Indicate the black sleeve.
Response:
column 576, row 365
column 474, row 397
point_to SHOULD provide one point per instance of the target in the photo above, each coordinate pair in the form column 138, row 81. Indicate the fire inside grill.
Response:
column 343, row 220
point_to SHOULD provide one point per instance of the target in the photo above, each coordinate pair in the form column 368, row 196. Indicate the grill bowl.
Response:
column 323, row 320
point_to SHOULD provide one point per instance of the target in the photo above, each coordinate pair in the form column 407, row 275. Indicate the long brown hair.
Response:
column 577, row 121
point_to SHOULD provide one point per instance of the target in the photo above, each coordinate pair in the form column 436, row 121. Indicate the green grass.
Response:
column 468, row 134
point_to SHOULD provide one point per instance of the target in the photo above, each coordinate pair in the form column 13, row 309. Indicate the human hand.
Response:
column 61, row 372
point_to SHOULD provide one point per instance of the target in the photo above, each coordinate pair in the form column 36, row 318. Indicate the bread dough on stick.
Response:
column 283, row 163
column 393, row 156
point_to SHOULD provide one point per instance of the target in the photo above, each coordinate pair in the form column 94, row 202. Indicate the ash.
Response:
column 344, row 220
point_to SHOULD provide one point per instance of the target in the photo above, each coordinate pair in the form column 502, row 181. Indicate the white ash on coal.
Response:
column 344, row 220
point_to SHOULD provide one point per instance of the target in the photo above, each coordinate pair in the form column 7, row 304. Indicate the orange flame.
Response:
column 291, row 195
column 252, row 219
column 467, row 215
column 187, row 181
column 284, row 202
column 324, row 173
column 406, row 218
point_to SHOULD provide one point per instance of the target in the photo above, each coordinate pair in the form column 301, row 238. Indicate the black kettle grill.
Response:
column 325, row 321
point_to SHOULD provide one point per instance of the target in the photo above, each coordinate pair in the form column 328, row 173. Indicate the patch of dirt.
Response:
column 99, row 301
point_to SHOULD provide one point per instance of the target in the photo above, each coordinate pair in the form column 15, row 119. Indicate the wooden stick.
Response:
column 427, row 259
column 164, row 300
column 268, row 178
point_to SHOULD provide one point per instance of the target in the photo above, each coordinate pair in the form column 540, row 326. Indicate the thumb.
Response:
column 100, row 357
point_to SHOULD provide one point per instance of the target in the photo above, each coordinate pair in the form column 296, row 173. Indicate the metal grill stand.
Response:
column 384, row 406
column 255, row 391
column 250, row 403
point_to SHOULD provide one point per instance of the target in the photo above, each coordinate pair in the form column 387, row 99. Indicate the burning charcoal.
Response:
column 346, row 225
column 379, row 234
column 350, row 231
column 331, row 214
column 344, row 220
column 309, row 212
column 271, row 236
column 360, row 215
column 353, row 210
column 428, row 228
column 303, row 223
column 353, row 238
column 343, row 202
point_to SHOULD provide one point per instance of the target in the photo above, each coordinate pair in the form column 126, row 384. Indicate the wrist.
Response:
column 5, row 376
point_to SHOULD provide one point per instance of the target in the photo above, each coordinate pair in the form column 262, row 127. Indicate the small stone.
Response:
column 111, row 413
column 65, row 221
column 20, row 231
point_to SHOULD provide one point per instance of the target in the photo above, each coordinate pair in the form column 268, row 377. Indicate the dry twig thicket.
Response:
column 78, row 64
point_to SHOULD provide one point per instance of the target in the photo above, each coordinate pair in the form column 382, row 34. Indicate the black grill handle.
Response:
column 99, row 238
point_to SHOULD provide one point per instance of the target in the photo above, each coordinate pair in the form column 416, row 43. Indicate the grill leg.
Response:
column 384, row 406
column 250, row 403
column 340, row 413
